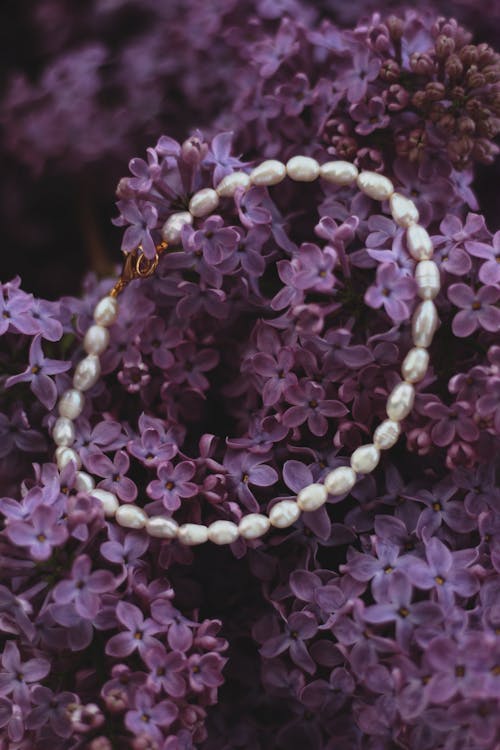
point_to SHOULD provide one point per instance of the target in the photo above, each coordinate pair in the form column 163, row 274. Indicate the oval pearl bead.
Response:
column 231, row 182
column 109, row 502
column 365, row 458
column 419, row 243
column 340, row 480
column 424, row 323
column 284, row 513
column 192, row 533
column 162, row 527
column 96, row 340
column 84, row 482
column 428, row 279
column 254, row 525
column 87, row 373
column 63, row 432
column 404, row 211
column 415, row 365
column 106, row 311
column 171, row 230
column 375, row 185
column 302, row 169
column 65, row 455
column 71, row 403
column 312, row 497
column 223, row 532
column 203, row 202
column 339, row 172
column 131, row 517
column 387, row 434
column 400, row 401
column 270, row 172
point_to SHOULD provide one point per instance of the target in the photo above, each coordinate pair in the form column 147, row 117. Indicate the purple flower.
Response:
column 478, row 309
column 300, row 627
column 277, row 373
column 489, row 273
column 139, row 633
column 270, row 54
column 84, row 587
column 451, row 421
column 147, row 717
column 246, row 469
column 205, row 671
column 15, row 306
column 172, row 484
column 310, row 405
column 142, row 219
column 391, row 291
column 362, row 68
column 215, row 241
column 37, row 374
column 370, row 115
column 457, row 667
column 51, row 708
column 16, row 676
column 164, row 671
column 445, row 571
column 450, row 253
column 42, row 532
column 114, row 473
column 126, row 552
column 219, row 153
column 179, row 628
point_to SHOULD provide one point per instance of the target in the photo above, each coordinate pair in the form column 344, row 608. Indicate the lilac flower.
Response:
column 205, row 671
column 84, row 587
column 245, row 469
column 142, row 219
column 51, row 708
column 391, row 291
column 16, row 676
column 445, row 571
column 179, row 628
column 41, row 533
column 164, row 671
column 369, row 115
column 277, row 372
column 172, row 484
column 219, row 153
column 300, row 627
column 455, row 241
column 310, row 405
column 191, row 364
column 362, row 68
column 139, row 633
column 14, row 310
column 37, row 374
column 270, row 55
column 128, row 551
column 152, row 448
column 477, row 309
column 214, row 240
column 456, row 667
column 114, row 473
column 489, row 273
column 147, row 717
column 451, row 421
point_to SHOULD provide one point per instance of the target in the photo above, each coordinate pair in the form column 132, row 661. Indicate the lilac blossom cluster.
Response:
column 255, row 360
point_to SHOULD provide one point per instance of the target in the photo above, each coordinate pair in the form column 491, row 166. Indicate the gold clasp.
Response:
column 137, row 266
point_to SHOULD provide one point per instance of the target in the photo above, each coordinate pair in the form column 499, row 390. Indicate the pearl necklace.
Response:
column 399, row 403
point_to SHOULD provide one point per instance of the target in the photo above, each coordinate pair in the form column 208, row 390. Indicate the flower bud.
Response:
column 453, row 67
column 421, row 64
column 444, row 46
column 390, row 71
column 395, row 26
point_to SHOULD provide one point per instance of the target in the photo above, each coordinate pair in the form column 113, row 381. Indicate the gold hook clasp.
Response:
column 137, row 266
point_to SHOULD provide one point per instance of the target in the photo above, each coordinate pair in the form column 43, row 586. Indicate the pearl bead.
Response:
column 109, row 502
column 192, row 533
column 312, row 497
column 400, row 401
column 71, row 403
column 203, row 202
column 419, row 243
column 302, row 169
column 415, row 365
column 254, row 525
column 64, row 455
column 424, row 323
column 223, row 532
column 96, row 340
column 339, row 172
column 340, row 480
column 84, row 482
column 63, row 432
column 375, row 185
column 87, row 373
column 365, row 458
column 162, row 527
column 428, row 279
column 106, row 311
column 231, row 182
column 270, row 172
column 284, row 513
column 131, row 517
column 404, row 211
column 386, row 435
column 171, row 230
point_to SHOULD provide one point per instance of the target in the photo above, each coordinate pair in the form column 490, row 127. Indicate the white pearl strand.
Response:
column 365, row 458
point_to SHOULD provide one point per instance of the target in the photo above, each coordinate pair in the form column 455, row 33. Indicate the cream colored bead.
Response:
column 162, row 527
column 254, row 525
column 339, row 172
column 63, row 432
column 203, row 202
column 231, row 182
column 415, row 365
column 312, row 497
column 192, row 533
column 400, row 401
column 106, row 311
column 340, row 480
column 424, row 323
column 302, row 169
column 428, row 279
column 419, row 243
column 65, row 455
column 284, row 513
column 375, row 185
column 365, row 458
column 87, row 373
column 84, row 482
column 270, row 172
column 223, row 532
column 404, row 211
column 71, row 403
column 171, row 230
column 386, row 435
column 110, row 504
column 130, row 516
column 96, row 340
